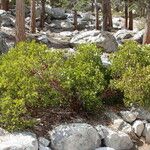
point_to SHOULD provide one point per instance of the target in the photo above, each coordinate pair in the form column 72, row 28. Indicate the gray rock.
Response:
column 121, row 125
column 8, row 22
column 66, row 25
column 3, row 46
column 18, row 141
column 82, row 24
column 56, row 24
column 75, row 137
column 58, row 13
column 43, row 38
column 143, row 114
column 44, row 141
column 128, row 116
column 41, row 147
column 105, row 59
column 66, row 34
column 146, row 133
column 104, row 148
column 3, row 132
column 138, row 127
column 139, row 36
column 0, row 21
column 112, row 116
column 117, row 140
column 102, row 39
column 2, row 12
column 54, row 13
column 87, row 16
column 122, row 35
column 100, row 131
column 118, row 22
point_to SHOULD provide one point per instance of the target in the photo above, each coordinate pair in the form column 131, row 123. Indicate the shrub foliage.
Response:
column 131, row 73
column 31, row 75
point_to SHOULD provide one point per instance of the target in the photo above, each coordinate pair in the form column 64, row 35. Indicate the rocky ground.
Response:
column 117, row 130
column 121, row 130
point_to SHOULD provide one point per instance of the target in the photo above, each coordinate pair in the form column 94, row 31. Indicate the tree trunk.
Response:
column 33, row 17
column 126, row 14
column 5, row 5
column 130, row 18
column 146, row 39
column 42, row 20
column 20, row 21
column 110, row 15
column 96, row 16
column 75, row 20
column 107, row 17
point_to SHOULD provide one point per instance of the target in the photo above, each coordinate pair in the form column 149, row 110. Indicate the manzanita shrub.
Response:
column 131, row 73
column 31, row 76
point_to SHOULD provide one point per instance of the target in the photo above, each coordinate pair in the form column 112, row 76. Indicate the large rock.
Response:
column 104, row 148
column 66, row 25
column 102, row 39
column 54, row 13
column 58, row 13
column 8, row 22
column 139, row 36
column 117, row 140
column 41, row 147
column 118, row 22
column 122, row 35
column 75, row 137
column 18, row 141
column 129, row 116
column 121, row 125
column 6, row 19
column 112, row 116
column 3, row 46
column 143, row 114
column 146, row 133
column 87, row 16
column 138, row 127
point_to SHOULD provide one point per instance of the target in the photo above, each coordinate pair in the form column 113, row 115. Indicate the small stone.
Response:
column 121, row 125
column 138, row 127
column 41, row 147
column 147, row 132
column 129, row 116
column 44, row 141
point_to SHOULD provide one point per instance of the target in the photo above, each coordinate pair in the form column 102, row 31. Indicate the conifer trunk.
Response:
column 20, row 21
column 42, row 20
column 146, row 39
column 33, row 17
column 96, row 16
column 5, row 5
